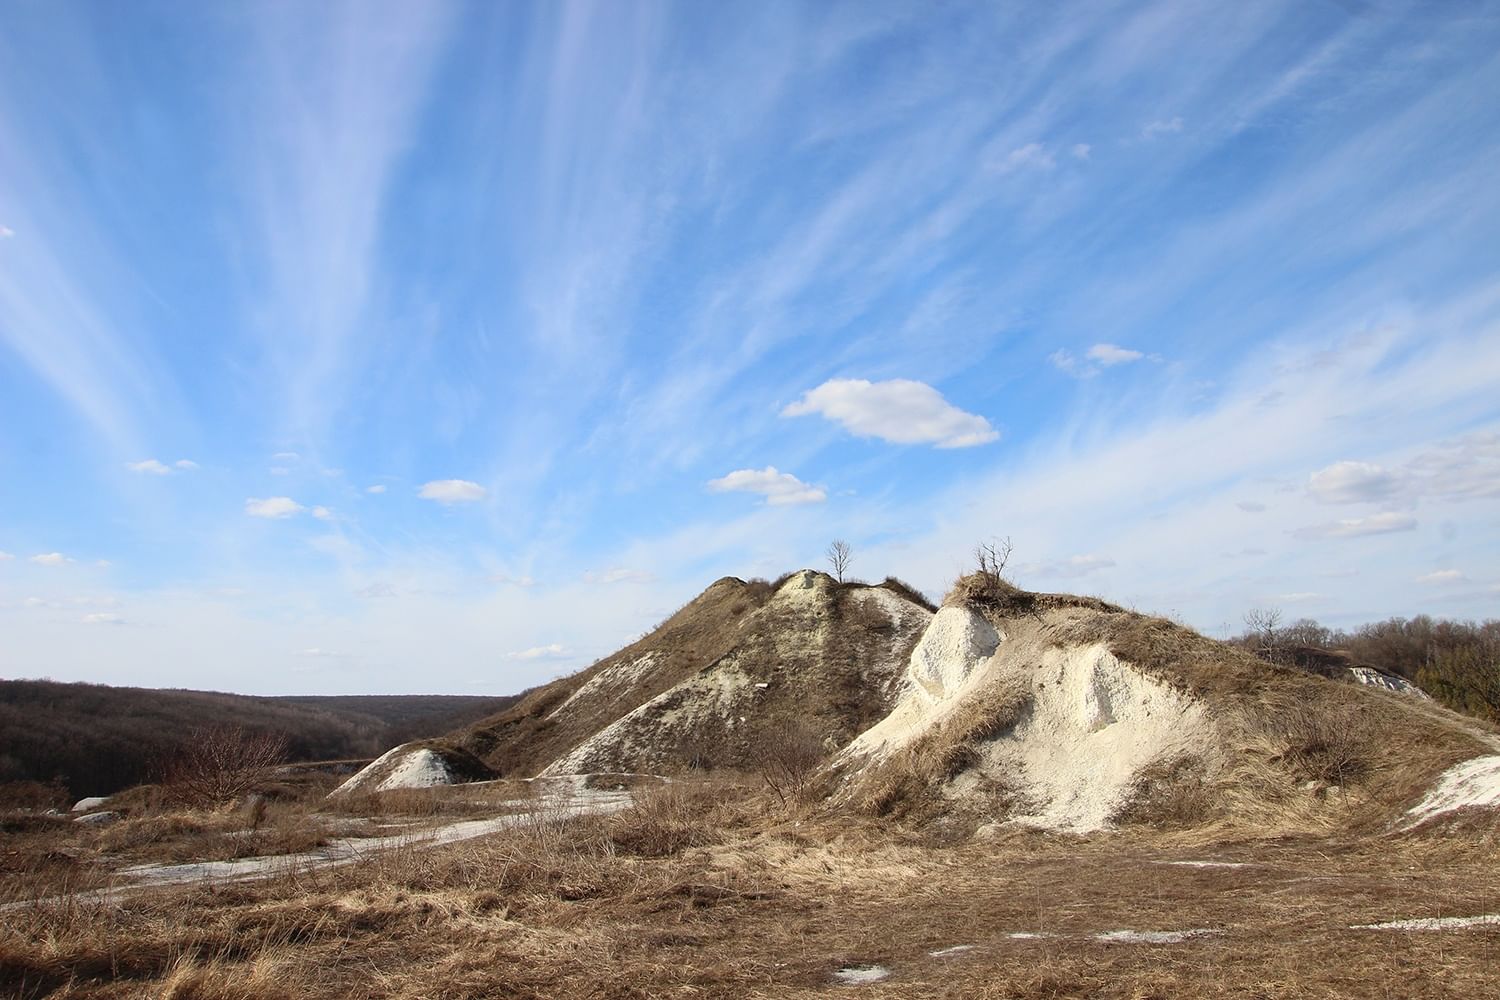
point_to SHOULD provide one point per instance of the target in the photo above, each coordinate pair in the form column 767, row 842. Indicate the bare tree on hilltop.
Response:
column 839, row 556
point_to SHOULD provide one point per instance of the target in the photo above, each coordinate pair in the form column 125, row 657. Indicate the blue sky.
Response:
column 421, row 347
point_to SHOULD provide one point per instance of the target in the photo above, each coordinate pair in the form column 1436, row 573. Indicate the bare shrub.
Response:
column 221, row 763
column 792, row 756
column 1324, row 743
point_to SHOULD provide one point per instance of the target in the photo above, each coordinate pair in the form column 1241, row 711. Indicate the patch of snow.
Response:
column 1473, row 783
column 1029, row 935
column 1155, row 937
column 1207, row 864
column 1433, row 923
column 1374, row 678
column 92, row 802
column 859, row 975
column 957, row 949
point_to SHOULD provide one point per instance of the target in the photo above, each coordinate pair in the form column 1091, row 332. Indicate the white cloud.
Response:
column 552, row 651
column 186, row 464
column 1297, row 597
column 272, row 507
column 900, row 411
column 51, row 559
column 150, row 465
column 777, row 487
column 515, row 581
column 4, row 556
column 1033, row 154
column 619, row 575
column 377, row 488
column 103, row 618
column 1251, row 507
column 1111, row 354
column 1095, row 359
column 322, row 654
column 1353, row 482
column 1442, row 576
column 1375, row 524
column 1081, row 151
column 375, row 590
column 452, row 491
column 1167, row 127
column 6, row 232
column 279, row 470
column 322, row 513
column 1073, row 566
column 286, row 456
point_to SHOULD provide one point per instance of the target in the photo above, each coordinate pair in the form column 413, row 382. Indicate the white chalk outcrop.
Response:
column 405, row 766
column 1090, row 724
column 1474, row 784
column 1370, row 677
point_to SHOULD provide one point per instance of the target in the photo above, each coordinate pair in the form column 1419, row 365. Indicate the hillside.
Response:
column 1070, row 713
column 1049, row 710
column 806, row 662
column 98, row 739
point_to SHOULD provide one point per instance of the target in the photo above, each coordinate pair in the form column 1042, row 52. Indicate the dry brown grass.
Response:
column 749, row 905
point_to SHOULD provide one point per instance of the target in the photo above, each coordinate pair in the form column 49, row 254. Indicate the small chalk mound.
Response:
column 92, row 802
column 413, row 766
column 861, row 975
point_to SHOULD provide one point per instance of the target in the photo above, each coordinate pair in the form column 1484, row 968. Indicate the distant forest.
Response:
column 95, row 739
column 1456, row 662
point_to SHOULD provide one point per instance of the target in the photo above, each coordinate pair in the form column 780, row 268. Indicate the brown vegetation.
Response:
column 93, row 739
column 709, row 891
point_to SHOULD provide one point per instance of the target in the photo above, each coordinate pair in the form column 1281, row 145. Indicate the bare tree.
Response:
column 220, row 763
column 1265, row 625
column 839, row 555
column 992, row 557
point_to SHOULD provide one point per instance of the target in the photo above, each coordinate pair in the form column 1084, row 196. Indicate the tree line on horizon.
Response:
column 1456, row 662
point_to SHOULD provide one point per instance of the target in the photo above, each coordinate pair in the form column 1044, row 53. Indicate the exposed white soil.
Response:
column 957, row 949
column 860, row 975
column 612, row 681
column 626, row 742
column 1207, row 864
column 1076, row 752
column 947, row 663
column 92, row 802
column 418, row 769
column 1433, row 924
column 401, row 767
column 1472, row 784
column 1374, row 678
column 557, row 799
column 1156, row 937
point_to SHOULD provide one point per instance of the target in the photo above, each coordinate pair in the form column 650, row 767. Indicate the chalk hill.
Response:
column 1049, row 710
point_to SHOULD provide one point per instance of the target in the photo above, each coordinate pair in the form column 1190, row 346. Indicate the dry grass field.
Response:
column 717, row 890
